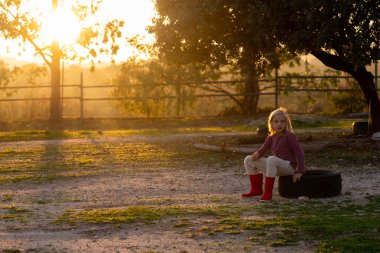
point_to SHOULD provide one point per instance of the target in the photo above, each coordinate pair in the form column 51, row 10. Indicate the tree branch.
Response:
column 23, row 31
column 38, row 49
column 215, row 88
column 334, row 61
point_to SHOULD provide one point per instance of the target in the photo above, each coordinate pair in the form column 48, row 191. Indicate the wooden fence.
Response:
column 273, row 87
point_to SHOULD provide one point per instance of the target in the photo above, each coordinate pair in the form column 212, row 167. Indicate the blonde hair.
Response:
column 279, row 111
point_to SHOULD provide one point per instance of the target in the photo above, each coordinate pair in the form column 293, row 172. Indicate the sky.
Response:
column 137, row 14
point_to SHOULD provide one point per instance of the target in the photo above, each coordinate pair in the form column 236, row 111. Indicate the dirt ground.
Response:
column 182, row 187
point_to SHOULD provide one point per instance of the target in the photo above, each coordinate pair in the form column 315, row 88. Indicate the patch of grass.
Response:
column 7, row 197
column 43, row 201
column 278, row 243
column 182, row 224
column 15, row 210
column 341, row 227
column 328, row 156
column 11, row 251
column 338, row 226
column 25, row 135
column 133, row 214
column 228, row 229
column 357, row 229
column 40, row 164
column 13, row 213
column 343, row 124
column 230, row 220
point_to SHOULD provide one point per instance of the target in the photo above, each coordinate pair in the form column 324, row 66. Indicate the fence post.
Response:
column 81, row 95
column 62, row 85
column 276, row 89
column 145, row 99
column 179, row 99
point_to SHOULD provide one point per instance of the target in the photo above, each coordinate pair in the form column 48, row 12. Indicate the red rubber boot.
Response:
column 268, row 189
column 256, row 186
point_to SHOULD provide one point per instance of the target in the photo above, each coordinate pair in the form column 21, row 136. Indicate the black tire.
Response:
column 313, row 184
column 360, row 127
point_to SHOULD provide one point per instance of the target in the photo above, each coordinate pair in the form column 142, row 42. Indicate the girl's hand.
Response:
column 297, row 177
column 255, row 156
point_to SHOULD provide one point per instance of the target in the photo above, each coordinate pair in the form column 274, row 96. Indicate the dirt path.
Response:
column 197, row 187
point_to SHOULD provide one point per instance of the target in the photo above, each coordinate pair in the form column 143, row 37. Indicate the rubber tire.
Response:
column 360, row 127
column 313, row 184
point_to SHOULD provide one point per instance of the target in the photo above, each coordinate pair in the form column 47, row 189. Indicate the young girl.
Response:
column 287, row 159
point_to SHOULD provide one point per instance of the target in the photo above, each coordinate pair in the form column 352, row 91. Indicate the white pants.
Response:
column 271, row 166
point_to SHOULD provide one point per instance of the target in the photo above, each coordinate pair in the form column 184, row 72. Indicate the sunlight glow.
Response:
column 61, row 25
column 137, row 15
column 65, row 27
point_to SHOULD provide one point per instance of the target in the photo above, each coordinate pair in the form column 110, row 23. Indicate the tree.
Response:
column 17, row 23
column 342, row 34
column 255, row 34
column 217, row 33
column 7, row 74
column 144, row 84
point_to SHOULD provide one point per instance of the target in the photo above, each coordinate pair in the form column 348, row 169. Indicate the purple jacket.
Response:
column 285, row 147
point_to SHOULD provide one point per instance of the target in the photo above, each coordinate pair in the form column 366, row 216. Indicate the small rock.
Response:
column 304, row 198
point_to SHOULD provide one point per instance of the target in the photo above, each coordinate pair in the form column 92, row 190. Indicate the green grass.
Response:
column 11, row 251
column 342, row 124
column 341, row 227
column 24, row 135
column 330, row 226
column 47, row 163
column 343, row 157
column 135, row 214
column 13, row 213
column 42, row 164
column 28, row 135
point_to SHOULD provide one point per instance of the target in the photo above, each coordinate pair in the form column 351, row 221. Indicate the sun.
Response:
column 61, row 25
column 65, row 27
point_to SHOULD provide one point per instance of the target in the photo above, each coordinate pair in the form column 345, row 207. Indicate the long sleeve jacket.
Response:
column 286, row 147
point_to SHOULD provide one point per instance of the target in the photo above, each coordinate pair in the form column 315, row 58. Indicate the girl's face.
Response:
column 279, row 123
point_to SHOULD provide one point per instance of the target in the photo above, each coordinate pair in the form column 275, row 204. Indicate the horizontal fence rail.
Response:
column 276, row 85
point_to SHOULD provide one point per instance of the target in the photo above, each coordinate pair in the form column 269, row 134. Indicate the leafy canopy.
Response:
column 349, row 29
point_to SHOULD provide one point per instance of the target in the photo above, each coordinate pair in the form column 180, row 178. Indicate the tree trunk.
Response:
column 366, row 82
column 55, row 99
column 55, row 103
column 251, row 90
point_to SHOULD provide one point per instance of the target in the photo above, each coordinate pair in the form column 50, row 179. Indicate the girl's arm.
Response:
column 298, row 151
column 264, row 148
